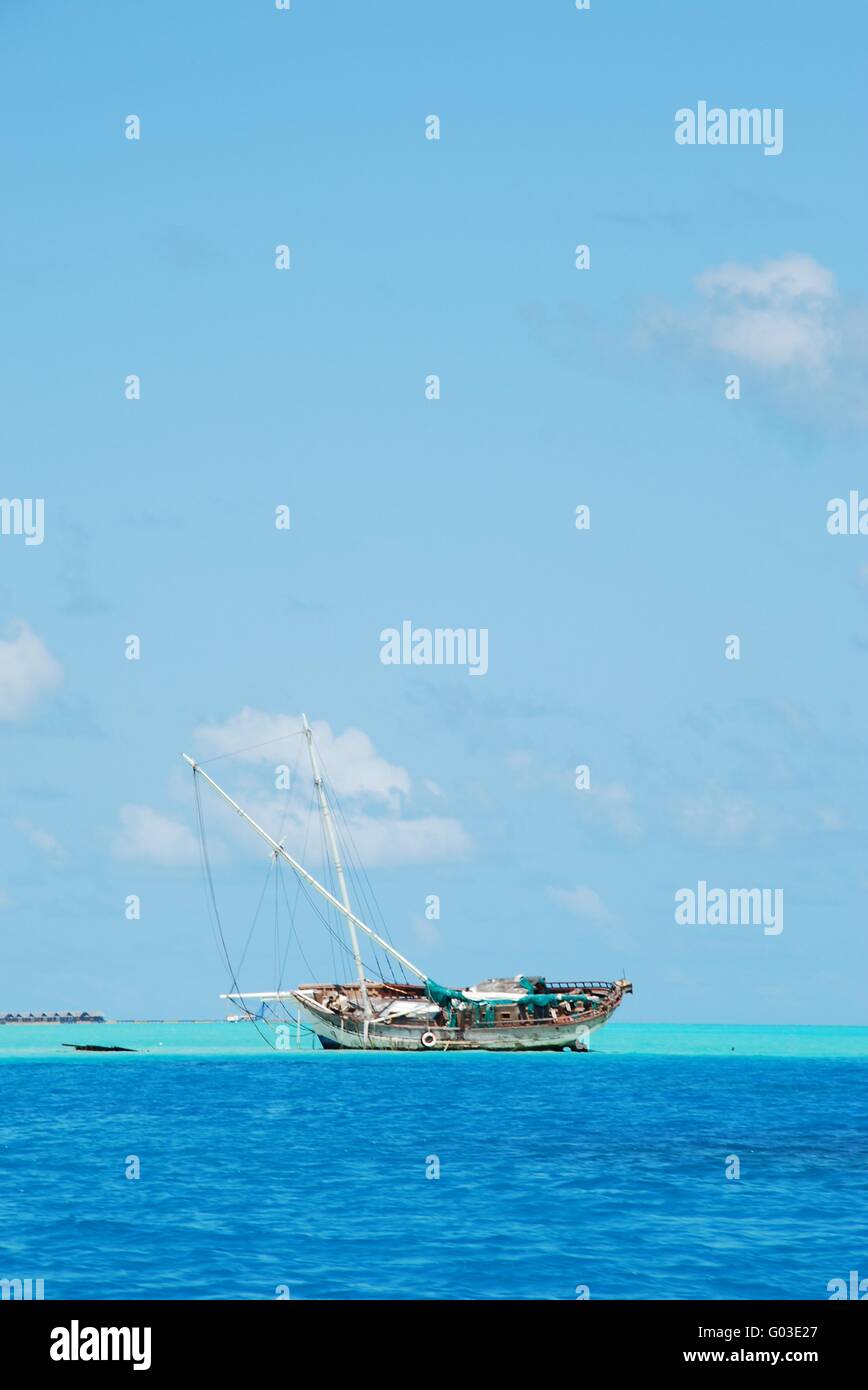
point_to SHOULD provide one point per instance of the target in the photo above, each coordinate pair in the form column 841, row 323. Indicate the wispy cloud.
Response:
column 780, row 315
column 41, row 840
column 720, row 819
column 28, row 671
column 784, row 318
column 149, row 837
column 611, row 807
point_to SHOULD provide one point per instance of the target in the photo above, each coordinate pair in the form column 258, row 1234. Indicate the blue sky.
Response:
column 558, row 388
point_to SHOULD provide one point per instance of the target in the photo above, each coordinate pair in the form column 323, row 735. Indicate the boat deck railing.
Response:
column 570, row 986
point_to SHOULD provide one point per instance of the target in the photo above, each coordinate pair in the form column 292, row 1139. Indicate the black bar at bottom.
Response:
column 256, row 1338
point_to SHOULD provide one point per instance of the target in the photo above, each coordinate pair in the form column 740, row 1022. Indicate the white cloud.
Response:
column 27, row 671
column 373, row 793
column 778, row 315
column 774, row 338
column 386, row 839
column 149, row 837
column 582, row 901
column 795, row 278
column 785, row 318
column 349, row 760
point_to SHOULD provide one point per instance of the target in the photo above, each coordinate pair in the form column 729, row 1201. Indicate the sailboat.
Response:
column 520, row 1013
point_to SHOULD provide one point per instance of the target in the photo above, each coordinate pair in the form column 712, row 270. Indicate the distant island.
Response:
column 52, row 1018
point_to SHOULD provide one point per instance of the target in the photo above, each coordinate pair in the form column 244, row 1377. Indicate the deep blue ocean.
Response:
column 262, row 1171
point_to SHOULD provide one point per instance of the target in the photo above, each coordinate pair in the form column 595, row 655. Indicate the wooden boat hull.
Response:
column 542, row 1036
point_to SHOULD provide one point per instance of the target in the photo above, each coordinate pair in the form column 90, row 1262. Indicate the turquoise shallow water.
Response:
column 261, row 1169
column 220, row 1039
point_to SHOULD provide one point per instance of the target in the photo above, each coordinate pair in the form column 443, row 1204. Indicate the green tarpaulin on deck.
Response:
column 447, row 998
column 439, row 994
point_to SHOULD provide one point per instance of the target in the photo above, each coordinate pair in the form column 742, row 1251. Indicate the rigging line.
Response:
column 290, row 1017
column 272, row 861
column 357, row 886
column 360, row 876
column 256, row 914
column 294, row 910
column 383, row 967
column 293, row 772
column 361, row 897
column 315, row 906
column 325, row 863
column 276, row 922
column 254, row 1019
column 294, row 733
column 347, row 964
column 357, row 858
column 205, row 856
column 280, row 958
column 216, row 913
column 212, row 897
column 324, row 920
column 301, row 950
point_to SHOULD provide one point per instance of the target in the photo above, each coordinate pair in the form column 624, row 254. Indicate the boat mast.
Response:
column 331, row 838
column 303, row 873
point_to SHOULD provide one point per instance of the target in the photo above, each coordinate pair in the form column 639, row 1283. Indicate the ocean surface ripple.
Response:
column 307, row 1173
